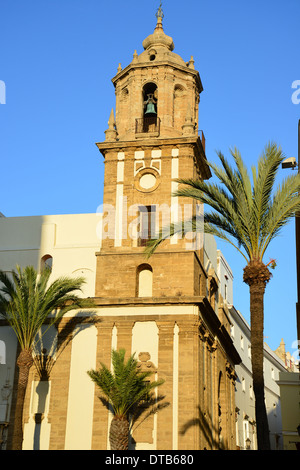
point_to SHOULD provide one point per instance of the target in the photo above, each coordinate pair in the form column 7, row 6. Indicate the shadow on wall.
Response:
column 20, row 243
column 208, row 430
column 45, row 360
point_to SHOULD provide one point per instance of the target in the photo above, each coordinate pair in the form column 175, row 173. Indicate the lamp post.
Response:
column 298, row 251
column 248, row 444
column 291, row 163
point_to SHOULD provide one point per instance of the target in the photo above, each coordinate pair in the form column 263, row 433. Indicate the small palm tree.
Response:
column 248, row 215
column 126, row 390
column 26, row 302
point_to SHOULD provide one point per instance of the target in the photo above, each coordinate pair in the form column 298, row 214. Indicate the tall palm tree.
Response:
column 127, row 391
column 26, row 303
column 249, row 215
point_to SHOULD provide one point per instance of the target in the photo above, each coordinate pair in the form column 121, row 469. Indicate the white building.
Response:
column 65, row 242
column 245, row 401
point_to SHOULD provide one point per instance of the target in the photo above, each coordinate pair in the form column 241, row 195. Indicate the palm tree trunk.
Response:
column 119, row 433
column 257, row 353
column 24, row 363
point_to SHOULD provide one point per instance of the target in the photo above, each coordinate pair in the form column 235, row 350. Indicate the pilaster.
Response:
column 189, row 385
column 100, row 422
column 165, row 371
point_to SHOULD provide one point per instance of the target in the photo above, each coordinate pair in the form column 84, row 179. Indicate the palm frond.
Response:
column 246, row 215
column 216, row 232
column 283, row 207
column 232, row 208
column 263, row 185
column 126, row 386
column 26, row 300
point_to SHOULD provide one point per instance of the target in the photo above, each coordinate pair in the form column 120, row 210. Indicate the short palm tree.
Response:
column 126, row 390
column 248, row 215
column 26, row 303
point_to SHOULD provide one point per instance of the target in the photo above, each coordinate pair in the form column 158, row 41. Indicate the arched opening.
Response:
column 144, row 281
column 150, row 100
column 149, row 107
column 46, row 262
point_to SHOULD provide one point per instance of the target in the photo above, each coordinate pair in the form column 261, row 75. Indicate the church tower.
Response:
column 152, row 140
column 166, row 308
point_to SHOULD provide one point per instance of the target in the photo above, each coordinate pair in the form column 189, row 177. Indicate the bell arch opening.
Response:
column 150, row 100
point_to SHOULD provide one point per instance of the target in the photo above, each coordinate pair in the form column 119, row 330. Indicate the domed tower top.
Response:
column 158, row 93
column 159, row 38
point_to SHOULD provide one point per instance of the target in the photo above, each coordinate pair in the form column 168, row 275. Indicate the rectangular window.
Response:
column 147, row 221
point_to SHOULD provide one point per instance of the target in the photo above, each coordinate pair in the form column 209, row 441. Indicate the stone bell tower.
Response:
column 152, row 140
column 158, row 307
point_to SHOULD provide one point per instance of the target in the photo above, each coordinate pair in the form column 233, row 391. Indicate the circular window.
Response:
column 147, row 181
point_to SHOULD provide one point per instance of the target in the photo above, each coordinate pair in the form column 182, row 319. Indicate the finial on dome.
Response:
column 158, row 38
column 159, row 13
column 159, row 16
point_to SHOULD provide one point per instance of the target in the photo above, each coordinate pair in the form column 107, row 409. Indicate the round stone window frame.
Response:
column 143, row 172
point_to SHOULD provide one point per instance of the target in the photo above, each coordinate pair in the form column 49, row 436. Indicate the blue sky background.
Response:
column 57, row 58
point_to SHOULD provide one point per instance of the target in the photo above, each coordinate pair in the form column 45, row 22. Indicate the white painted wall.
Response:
column 244, row 397
column 81, row 389
column 72, row 241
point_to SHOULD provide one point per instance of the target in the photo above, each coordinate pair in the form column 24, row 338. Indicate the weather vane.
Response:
column 159, row 13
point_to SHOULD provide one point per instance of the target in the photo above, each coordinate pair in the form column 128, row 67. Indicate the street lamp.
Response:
column 291, row 163
column 298, row 250
column 248, row 444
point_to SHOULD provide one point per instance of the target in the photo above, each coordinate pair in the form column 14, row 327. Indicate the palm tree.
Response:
column 248, row 215
column 26, row 302
column 127, row 391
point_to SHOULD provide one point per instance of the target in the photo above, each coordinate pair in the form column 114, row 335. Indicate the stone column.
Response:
column 188, row 385
column 231, row 377
column 165, row 372
column 213, row 351
column 100, row 422
column 124, row 336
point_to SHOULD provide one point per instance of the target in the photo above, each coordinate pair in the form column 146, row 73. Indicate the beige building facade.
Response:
column 167, row 309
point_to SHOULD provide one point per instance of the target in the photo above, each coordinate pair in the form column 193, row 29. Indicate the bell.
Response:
column 150, row 109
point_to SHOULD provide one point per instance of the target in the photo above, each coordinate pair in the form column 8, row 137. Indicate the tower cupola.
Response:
column 158, row 93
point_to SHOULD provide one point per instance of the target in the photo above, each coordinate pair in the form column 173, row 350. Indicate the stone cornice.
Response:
column 194, row 141
column 161, row 63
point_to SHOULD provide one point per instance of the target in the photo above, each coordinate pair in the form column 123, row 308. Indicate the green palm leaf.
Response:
column 26, row 301
column 126, row 386
column 246, row 215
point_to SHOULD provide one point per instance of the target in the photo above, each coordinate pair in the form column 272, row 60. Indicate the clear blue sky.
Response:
column 57, row 58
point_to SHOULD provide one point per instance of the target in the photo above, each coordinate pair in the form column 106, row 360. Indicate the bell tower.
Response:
column 151, row 140
column 164, row 308
column 157, row 95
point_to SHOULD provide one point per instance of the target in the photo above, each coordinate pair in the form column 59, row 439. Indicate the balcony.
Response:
column 147, row 126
